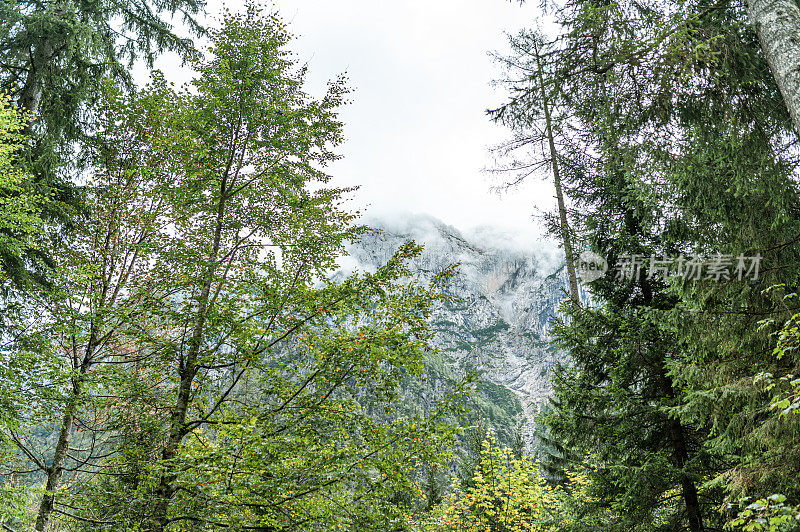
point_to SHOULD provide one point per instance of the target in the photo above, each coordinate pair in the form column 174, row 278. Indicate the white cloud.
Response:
column 417, row 134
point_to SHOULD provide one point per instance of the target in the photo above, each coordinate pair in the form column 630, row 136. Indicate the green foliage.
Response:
column 55, row 54
column 779, row 429
column 20, row 206
column 785, row 389
column 674, row 140
column 507, row 493
column 767, row 515
column 75, row 341
column 189, row 365
column 203, row 371
column 54, row 57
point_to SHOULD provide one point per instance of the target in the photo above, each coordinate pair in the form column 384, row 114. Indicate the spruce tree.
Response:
column 681, row 145
column 53, row 55
column 53, row 58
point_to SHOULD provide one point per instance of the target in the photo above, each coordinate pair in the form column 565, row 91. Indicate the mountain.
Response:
column 499, row 325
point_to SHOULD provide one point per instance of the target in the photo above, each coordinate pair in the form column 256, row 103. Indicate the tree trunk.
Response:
column 166, row 484
column 680, row 456
column 177, row 431
column 31, row 96
column 676, row 433
column 30, row 99
column 689, row 490
column 56, row 469
column 566, row 239
column 777, row 23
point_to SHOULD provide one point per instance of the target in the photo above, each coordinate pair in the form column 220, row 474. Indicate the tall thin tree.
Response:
column 566, row 238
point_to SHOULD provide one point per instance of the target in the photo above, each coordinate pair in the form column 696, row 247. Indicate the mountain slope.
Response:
column 499, row 325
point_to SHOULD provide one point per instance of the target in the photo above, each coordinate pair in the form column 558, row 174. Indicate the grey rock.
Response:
column 500, row 325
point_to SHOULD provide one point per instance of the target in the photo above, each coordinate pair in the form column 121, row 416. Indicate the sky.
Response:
column 418, row 139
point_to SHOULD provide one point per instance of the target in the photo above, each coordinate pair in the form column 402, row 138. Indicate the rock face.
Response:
column 499, row 326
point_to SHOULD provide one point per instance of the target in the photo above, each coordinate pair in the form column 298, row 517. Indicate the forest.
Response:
column 176, row 354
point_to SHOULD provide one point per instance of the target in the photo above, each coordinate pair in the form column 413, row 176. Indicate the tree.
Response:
column 77, row 330
column 777, row 23
column 19, row 205
column 20, row 224
column 249, row 144
column 228, row 380
column 53, row 56
column 678, row 144
column 257, row 355
column 507, row 493
column 521, row 114
column 617, row 68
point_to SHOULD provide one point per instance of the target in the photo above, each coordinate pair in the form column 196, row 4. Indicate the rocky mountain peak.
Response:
column 507, row 294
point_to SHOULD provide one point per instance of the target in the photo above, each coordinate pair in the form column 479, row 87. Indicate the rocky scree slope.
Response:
column 499, row 325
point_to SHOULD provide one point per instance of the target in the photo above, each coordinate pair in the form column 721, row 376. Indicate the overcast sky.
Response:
column 417, row 134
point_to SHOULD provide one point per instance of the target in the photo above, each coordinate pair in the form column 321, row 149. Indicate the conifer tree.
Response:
column 53, row 58
column 53, row 55
column 534, row 122
column 682, row 146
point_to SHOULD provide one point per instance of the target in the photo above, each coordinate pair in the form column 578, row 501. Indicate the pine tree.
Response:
column 613, row 73
column 53, row 58
column 681, row 144
column 733, row 184
column 530, row 116
column 54, row 55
